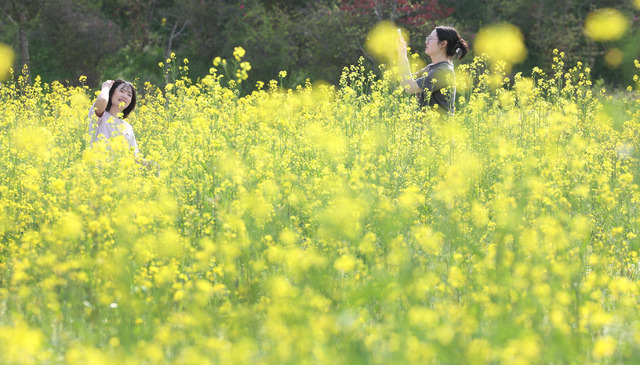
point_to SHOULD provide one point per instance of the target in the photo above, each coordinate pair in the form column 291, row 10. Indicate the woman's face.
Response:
column 432, row 45
column 122, row 96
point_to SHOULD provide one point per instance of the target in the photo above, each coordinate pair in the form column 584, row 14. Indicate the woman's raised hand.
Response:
column 103, row 98
column 107, row 84
column 401, row 45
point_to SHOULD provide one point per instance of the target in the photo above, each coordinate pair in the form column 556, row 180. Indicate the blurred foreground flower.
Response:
column 604, row 347
column 605, row 25
column 381, row 41
column 6, row 61
column 502, row 42
column 613, row 57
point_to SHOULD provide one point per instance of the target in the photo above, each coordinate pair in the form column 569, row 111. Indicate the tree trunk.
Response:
column 24, row 51
column 540, row 14
column 174, row 34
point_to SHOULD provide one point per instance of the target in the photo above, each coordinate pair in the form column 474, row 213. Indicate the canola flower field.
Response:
column 323, row 224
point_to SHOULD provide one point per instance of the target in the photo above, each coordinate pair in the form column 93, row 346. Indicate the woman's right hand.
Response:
column 103, row 98
column 107, row 84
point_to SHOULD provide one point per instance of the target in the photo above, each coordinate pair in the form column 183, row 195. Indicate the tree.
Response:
column 415, row 14
column 74, row 39
column 216, row 27
column 23, row 14
column 548, row 25
column 418, row 17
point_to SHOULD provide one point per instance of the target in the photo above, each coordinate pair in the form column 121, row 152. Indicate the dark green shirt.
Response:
column 438, row 86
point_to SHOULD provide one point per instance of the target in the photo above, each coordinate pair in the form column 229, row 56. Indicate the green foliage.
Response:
column 75, row 40
column 308, row 39
column 554, row 25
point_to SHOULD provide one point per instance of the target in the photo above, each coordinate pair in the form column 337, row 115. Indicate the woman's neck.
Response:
column 440, row 58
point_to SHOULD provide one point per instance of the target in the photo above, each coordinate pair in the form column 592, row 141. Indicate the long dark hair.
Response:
column 456, row 46
column 132, row 105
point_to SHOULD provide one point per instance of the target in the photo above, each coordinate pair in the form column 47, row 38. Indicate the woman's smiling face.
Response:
column 122, row 96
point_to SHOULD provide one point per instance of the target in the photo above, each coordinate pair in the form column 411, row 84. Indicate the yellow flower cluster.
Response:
column 323, row 224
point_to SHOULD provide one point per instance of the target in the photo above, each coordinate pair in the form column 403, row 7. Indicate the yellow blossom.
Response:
column 604, row 347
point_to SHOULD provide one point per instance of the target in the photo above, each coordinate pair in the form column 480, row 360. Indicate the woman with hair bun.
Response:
column 436, row 82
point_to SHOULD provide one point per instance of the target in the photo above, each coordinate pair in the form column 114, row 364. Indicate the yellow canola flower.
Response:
column 429, row 241
column 21, row 344
column 524, row 88
column 381, row 41
column 604, row 347
column 293, row 206
column 521, row 351
column 501, row 42
column 86, row 355
column 478, row 351
column 479, row 214
column 456, row 277
column 411, row 198
column 238, row 53
column 604, row 25
column 6, row 60
column 70, row 226
column 419, row 352
column 327, row 139
column 34, row 141
column 280, row 288
column 345, row 217
column 637, row 4
column 367, row 245
column 169, row 243
column 346, row 263
column 421, row 316
column 288, row 237
column 79, row 101
column 416, row 63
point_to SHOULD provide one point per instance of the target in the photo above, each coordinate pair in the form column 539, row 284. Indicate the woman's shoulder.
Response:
column 127, row 126
column 422, row 72
column 444, row 65
column 441, row 69
column 93, row 114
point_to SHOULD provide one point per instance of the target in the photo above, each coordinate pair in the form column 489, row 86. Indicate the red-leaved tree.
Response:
column 412, row 14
